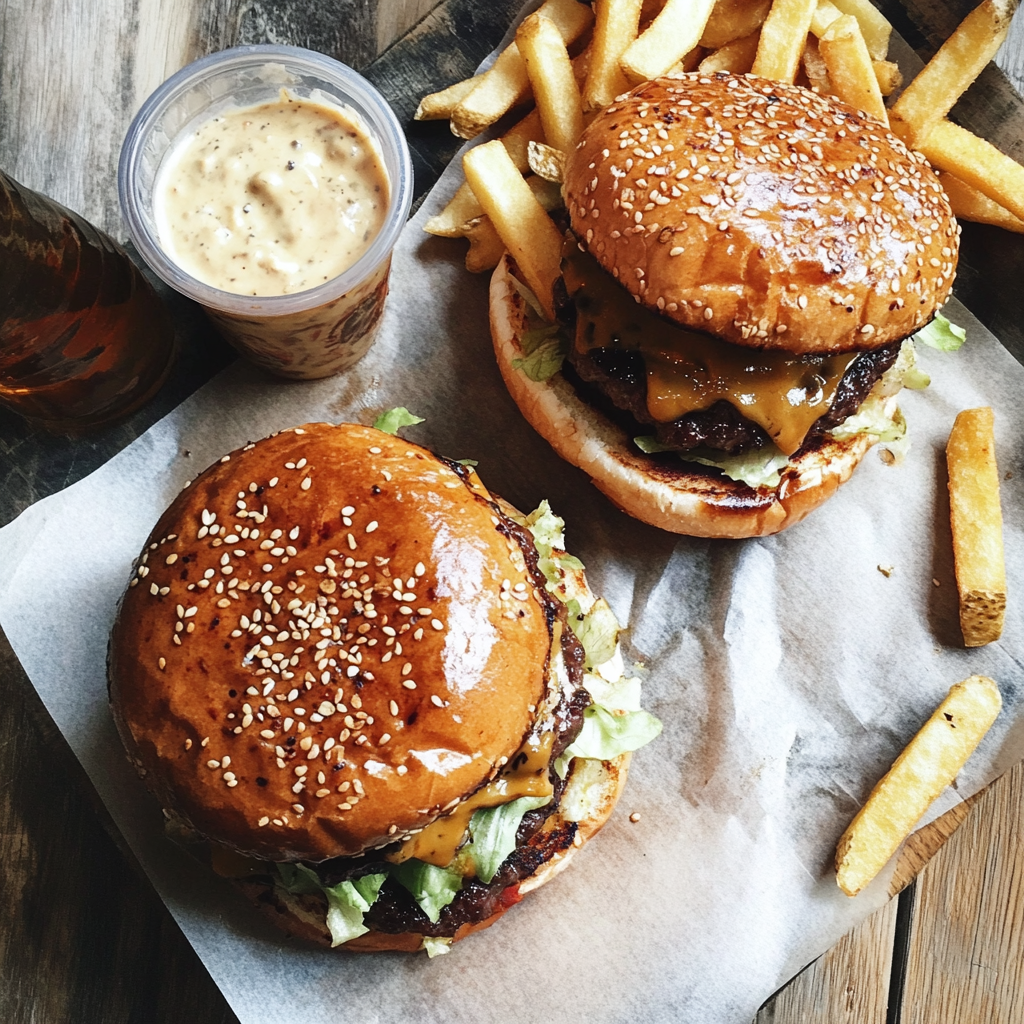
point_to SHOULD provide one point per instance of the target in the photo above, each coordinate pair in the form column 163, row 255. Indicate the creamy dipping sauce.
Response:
column 272, row 199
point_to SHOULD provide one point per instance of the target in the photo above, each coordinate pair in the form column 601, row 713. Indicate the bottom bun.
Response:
column 679, row 498
column 591, row 792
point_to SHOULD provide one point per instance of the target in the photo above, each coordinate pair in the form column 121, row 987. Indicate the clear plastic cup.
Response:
column 308, row 334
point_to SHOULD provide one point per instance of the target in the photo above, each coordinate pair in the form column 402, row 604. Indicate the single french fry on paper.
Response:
column 507, row 84
column 439, row 105
column 733, row 19
column 782, row 39
column 669, row 38
column 977, row 162
column 958, row 62
column 873, row 24
column 977, row 524
column 522, row 224
column 615, row 27
column 930, row 763
column 850, row 70
column 970, row 204
column 736, row 57
column 554, row 85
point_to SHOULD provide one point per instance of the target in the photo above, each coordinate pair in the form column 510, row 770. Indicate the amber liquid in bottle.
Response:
column 84, row 338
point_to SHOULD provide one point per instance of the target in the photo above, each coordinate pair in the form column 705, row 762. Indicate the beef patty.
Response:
column 615, row 382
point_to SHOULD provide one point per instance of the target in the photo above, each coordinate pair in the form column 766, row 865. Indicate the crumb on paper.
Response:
column 887, row 457
column 634, row 817
column 1008, row 475
column 935, row 582
column 885, row 570
column 187, row 453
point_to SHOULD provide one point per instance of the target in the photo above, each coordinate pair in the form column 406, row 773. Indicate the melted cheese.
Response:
column 526, row 775
column 688, row 371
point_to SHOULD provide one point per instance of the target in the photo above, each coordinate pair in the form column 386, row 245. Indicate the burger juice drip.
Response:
column 688, row 371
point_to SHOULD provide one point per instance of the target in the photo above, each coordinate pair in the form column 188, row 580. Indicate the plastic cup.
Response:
column 304, row 335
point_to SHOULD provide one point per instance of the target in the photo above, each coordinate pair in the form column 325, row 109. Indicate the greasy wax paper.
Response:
column 789, row 671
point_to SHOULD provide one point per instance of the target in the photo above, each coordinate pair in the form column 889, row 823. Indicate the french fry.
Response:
column 732, row 20
column 977, row 162
column 815, row 67
column 977, row 524
column 782, row 39
column 970, row 204
column 959, row 61
column 824, row 14
column 528, row 232
column 554, row 86
column 485, row 247
column 849, row 67
column 507, row 84
column 737, row 56
column 873, row 25
column 930, row 762
column 547, row 162
column 690, row 61
column 672, row 35
column 615, row 27
column 439, row 105
column 888, row 76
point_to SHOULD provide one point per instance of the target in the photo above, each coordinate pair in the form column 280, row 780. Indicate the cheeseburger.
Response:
column 350, row 674
column 744, row 263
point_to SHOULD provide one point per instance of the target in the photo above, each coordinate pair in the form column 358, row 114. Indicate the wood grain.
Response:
column 967, row 932
column 847, row 985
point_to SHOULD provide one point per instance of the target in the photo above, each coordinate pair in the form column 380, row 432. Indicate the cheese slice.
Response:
column 688, row 371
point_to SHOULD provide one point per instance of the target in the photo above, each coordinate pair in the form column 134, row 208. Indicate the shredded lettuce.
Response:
column 872, row 418
column 433, row 888
column 544, row 350
column 492, row 834
column 606, row 735
column 941, row 334
column 621, row 694
column 597, row 631
column 436, row 946
column 761, row 467
column 394, row 419
column 531, row 300
column 347, row 902
column 549, row 540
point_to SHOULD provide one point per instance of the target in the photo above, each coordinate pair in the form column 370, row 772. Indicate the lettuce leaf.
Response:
column 549, row 540
column 621, row 695
column 941, row 334
column 394, row 419
column 433, row 888
column 872, row 418
column 347, row 902
column 597, row 631
column 544, row 350
column 492, row 833
column 605, row 735
column 436, row 946
column 761, row 467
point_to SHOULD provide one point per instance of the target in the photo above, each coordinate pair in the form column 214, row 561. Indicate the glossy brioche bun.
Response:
column 591, row 792
column 442, row 689
column 674, row 497
column 763, row 213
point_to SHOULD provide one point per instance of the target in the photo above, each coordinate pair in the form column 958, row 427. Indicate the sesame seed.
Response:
column 401, row 769
column 408, row 684
column 371, row 526
column 437, row 624
column 436, row 701
column 263, row 821
column 306, row 483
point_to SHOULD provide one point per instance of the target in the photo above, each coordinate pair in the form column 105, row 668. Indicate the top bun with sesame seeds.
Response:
column 317, row 655
column 763, row 214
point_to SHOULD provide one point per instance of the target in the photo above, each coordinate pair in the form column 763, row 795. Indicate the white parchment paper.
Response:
column 788, row 671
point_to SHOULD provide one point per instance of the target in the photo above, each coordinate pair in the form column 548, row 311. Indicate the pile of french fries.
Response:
column 570, row 60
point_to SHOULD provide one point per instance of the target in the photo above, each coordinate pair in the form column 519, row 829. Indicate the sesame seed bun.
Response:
column 675, row 496
column 763, row 214
column 318, row 652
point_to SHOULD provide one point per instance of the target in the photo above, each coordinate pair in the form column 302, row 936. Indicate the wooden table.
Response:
column 84, row 938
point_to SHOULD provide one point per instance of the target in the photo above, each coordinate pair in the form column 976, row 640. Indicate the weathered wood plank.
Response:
column 967, row 934
column 847, row 985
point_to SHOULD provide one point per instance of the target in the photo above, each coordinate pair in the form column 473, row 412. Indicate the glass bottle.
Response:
column 84, row 338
